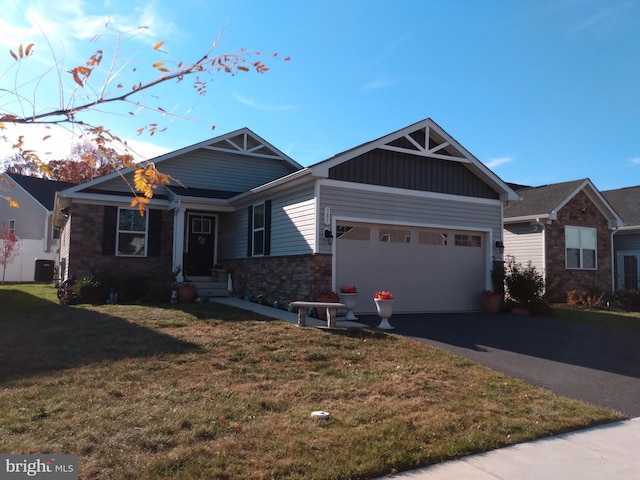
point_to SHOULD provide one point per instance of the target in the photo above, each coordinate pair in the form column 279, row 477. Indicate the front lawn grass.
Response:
column 208, row 391
column 621, row 320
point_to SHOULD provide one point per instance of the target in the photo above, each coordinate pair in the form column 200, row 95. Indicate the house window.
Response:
column 131, row 233
column 12, row 227
column 580, row 246
column 258, row 229
column 259, row 238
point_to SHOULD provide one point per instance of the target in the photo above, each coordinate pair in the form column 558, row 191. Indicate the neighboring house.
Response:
column 565, row 230
column 32, row 223
column 626, row 240
column 412, row 212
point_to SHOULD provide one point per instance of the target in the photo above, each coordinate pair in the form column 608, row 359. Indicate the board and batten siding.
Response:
column 292, row 226
column 525, row 244
column 401, row 209
column 213, row 171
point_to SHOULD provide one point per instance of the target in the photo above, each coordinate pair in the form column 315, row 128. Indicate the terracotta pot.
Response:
column 492, row 302
column 322, row 312
column 186, row 293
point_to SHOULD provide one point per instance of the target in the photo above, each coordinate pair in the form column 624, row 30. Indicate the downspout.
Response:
column 614, row 230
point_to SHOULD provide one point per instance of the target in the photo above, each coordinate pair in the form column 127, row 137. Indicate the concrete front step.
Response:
column 208, row 288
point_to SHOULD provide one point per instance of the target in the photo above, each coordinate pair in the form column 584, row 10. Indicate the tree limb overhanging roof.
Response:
column 42, row 190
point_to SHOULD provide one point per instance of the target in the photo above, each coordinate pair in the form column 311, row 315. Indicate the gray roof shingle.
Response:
column 540, row 200
column 626, row 201
column 44, row 191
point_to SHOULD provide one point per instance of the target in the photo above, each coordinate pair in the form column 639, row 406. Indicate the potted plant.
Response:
column 186, row 292
column 349, row 295
column 384, row 304
column 492, row 301
column 327, row 297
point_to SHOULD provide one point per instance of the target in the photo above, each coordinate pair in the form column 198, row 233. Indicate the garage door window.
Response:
column 433, row 238
column 468, row 240
column 347, row 232
column 388, row 235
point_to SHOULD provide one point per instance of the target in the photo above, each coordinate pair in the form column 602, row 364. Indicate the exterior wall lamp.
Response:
column 328, row 235
column 500, row 246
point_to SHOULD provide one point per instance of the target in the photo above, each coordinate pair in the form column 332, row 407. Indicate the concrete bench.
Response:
column 303, row 306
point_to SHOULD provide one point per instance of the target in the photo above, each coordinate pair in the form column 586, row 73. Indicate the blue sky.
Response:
column 540, row 91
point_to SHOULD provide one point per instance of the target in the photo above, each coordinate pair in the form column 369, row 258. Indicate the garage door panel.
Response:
column 430, row 273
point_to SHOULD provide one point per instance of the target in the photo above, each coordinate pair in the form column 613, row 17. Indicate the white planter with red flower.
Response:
column 349, row 297
column 384, row 304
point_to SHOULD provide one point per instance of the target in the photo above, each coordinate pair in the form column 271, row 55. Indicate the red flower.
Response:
column 349, row 289
column 384, row 295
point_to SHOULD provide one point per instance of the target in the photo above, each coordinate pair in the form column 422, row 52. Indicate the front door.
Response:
column 200, row 245
column 628, row 275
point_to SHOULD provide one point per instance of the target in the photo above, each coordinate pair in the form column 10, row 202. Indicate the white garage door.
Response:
column 428, row 270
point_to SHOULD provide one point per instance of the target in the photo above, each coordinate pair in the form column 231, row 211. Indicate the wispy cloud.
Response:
column 634, row 161
column 261, row 106
column 376, row 84
column 603, row 20
column 496, row 162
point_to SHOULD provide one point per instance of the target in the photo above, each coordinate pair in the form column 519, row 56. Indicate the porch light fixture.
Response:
column 500, row 246
column 328, row 235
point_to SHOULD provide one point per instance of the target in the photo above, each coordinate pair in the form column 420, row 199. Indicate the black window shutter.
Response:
column 250, row 235
column 267, row 227
column 109, row 230
column 154, row 242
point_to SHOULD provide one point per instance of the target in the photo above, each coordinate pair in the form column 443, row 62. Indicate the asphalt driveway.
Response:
column 597, row 365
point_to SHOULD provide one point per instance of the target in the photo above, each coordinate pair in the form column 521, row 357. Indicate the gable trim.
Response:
column 414, row 147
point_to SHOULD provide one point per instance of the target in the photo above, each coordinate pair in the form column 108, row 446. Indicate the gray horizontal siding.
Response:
column 396, row 208
column 401, row 170
column 524, row 244
column 30, row 217
column 626, row 242
column 213, row 171
column 292, row 226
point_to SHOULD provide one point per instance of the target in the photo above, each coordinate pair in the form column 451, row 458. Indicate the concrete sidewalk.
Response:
column 605, row 452
column 279, row 314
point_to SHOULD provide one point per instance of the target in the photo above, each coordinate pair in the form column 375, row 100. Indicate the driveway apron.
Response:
column 596, row 365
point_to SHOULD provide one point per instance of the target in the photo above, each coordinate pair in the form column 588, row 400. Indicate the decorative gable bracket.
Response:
column 425, row 142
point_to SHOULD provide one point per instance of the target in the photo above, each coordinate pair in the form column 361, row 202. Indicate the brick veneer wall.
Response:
column 559, row 279
column 86, row 257
column 282, row 279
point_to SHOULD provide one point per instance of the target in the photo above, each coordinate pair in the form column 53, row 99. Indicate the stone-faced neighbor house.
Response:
column 32, row 222
column 565, row 230
column 412, row 212
column 626, row 240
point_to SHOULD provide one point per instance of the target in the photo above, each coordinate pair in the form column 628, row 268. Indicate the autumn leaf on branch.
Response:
column 99, row 84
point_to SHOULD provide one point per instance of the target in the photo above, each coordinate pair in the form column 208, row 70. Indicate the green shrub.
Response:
column 91, row 290
column 525, row 286
column 626, row 300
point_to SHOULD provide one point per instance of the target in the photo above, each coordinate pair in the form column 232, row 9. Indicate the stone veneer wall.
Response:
column 559, row 279
column 86, row 257
column 282, row 279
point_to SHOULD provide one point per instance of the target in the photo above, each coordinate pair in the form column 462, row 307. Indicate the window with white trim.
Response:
column 580, row 247
column 12, row 226
column 258, row 224
column 131, row 238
